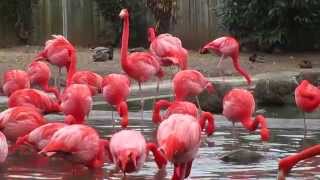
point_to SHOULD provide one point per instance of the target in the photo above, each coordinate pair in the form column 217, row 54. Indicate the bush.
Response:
column 290, row 24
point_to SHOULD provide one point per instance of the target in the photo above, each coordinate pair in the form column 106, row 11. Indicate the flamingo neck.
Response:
column 287, row 163
column 161, row 104
column 71, row 67
column 122, row 109
column 124, row 43
column 51, row 90
column 235, row 60
column 151, row 34
column 207, row 116
column 252, row 125
column 159, row 158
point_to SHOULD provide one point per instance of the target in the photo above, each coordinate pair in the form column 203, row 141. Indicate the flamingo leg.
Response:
column 113, row 120
column 141, row 101
column 305, row 124
column 157, row 91
column 219, row 68
column 57, row 81
column 220, row 61
column 198, row 103
column 233, row 130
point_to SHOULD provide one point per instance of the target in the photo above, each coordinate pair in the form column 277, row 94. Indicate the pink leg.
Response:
column 188, row 169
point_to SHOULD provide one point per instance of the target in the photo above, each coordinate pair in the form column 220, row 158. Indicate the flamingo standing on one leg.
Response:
column 40, row 74
column 168, row 49
column 129, row 156
column 91, row 79
column 76, row 100
column 190, row 83
column 238, row 106
column 227, row 47
column 307, row 98
column 60, row 52
column 287, row 163
column 34, row 98
column 81, row 142
column 3, row 148
column 182, row 107
column 14, row 80
column 19, row 121
column 140, row 66
column 179, row 139
column 115, row 90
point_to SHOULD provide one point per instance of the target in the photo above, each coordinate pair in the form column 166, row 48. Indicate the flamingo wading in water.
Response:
column 227, row 47
column 141, row 66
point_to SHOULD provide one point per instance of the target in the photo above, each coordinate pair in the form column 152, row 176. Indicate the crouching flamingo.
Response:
column 19, row 121
column 37, row 99
column 82, row 143
column 307, row 98
column 115, row 90
column 40, row 74
column 179, row 140
column 91, row 79
column 287, row 163
column 128, row 150
column 182, row 107
column 238, row 106
column 227, row 47
column 14, row 80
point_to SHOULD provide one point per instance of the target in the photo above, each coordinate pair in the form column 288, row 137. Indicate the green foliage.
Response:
column 138, row 21
column 285, row 23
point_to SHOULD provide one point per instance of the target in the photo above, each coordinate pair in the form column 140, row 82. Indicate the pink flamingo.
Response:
column 307, row 98
column 227, row 47
column 115, row 90
column 141, row 66
column 91, row 79
column 40, row 136
column 19, row 121
column 287, row 163
column 3, row 148
column 40, row 74
column 168, row 49
column 190, row 83
column 14, row 80
column 76, row 100
column 34, row 98
column 182, row 107
column 60, row 52
column 179, row 139
column 238, row 106
column 129, row 156
column 81, row 142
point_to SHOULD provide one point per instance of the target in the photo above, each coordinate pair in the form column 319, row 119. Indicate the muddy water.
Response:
column 287, row 138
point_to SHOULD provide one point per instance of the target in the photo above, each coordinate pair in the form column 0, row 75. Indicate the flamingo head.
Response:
column 124, row 13
column 127, row 161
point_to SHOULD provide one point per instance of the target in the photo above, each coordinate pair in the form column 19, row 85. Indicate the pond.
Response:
column 286, row 128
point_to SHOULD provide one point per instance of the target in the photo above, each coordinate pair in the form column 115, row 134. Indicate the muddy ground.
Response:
column 19, row 57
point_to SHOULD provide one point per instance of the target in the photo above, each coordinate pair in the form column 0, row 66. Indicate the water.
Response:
column 286, row 138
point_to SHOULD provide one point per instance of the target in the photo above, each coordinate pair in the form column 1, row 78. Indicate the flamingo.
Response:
column 76, row 100
column 3, row 148
column 287, row 163
column 307, row 99
column 14, row 80
column 141, row 66
column 34, row 98
column 129, row 156
column 115, row 90
column 168, row 49
column 81, row 142
column 40, row 74
column 190, row 83
column 238, row 106
column 91, row 79
column 19, row 121
column 60, row 52
column 179, row 140
column 40, row 136
column 182, row 107
column 227, row 47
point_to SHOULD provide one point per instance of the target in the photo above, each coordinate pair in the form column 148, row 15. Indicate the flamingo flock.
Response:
column 180, row 127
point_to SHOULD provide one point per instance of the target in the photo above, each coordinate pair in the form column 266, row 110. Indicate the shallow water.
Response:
column 286, row 138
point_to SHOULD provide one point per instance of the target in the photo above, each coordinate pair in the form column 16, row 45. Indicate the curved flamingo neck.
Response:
column 125, row 42
column 287, row 163
column 207, row 116
column 161, row 104
column 235, row 60
column 252, row 125
column 71, row 67
column 159, row 158
column 122, row 109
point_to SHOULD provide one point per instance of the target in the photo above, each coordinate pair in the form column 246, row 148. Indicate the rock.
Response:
column 312, row 76
column 275, row 91
column 242, row 156
column 305, row 64
column 137, row 49
column 102, row 54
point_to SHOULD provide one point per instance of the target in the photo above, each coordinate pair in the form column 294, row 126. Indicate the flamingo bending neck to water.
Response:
column 227, row 47
column 141, row 66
